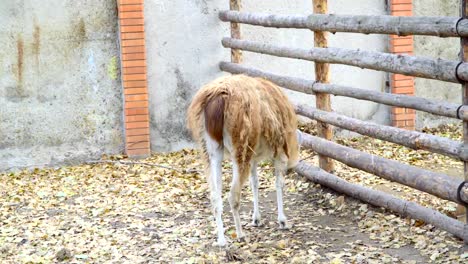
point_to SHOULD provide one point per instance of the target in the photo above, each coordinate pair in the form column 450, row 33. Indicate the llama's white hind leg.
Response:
column 215, row 154
column 280, row 169
column 254, row 185
column 234, row 198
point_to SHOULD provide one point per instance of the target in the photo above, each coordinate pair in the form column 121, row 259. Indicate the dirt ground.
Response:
column 142, row 213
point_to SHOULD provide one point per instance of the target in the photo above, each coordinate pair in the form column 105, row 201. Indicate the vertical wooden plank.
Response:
column 464, row 57
column 236, row 55
column 322, row 74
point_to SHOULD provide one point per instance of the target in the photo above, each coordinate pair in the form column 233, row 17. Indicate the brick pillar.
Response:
column 401, row 84
column 133, row 59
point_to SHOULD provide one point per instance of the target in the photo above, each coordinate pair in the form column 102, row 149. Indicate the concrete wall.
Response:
column 435, row 47
column 184, row 49
column 183, row 41
column 60, row 93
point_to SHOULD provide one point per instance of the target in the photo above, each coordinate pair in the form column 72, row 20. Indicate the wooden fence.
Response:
column 437, row 184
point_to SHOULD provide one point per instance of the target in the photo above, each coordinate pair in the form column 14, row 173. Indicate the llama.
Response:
column 249, row 120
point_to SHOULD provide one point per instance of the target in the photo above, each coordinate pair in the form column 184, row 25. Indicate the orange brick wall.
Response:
column 133, row 58
column 401, row 84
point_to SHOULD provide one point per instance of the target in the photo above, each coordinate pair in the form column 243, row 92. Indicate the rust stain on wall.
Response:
column 80, row 31
column 20, row 62
column 36, row 45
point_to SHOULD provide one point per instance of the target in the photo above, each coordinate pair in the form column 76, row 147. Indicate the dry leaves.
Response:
column 135, row 213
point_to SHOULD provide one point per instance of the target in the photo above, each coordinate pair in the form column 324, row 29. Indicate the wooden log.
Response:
column 464, row 58
column 411, row 139
column 437, row 69
column 322, row 75
column 379, row 198
column 236, row 54
column 401, row 26
column 310, row 87
column 437, row 184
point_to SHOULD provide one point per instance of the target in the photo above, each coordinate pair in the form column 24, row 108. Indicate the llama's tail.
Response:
column 206, row 113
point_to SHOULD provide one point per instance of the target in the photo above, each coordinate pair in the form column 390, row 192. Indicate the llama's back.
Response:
column 259, row 112
column 254, row 110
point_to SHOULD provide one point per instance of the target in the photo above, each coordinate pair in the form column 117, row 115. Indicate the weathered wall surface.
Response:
column 436, row 48
column 183, row 41
column 184, row 49
column 60, row 93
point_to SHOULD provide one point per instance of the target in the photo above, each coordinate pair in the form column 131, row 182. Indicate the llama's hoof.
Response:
column 221, row 242
column 256, row 222
column 283, row 224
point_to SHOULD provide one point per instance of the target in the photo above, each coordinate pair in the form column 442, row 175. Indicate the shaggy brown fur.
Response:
column 249, row 119
column 251, row 108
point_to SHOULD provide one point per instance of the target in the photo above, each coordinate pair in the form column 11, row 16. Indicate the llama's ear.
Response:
column 299, row 137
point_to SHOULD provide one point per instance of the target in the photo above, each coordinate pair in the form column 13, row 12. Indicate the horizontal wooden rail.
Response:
column 429, row 26
column 411, row 139
column 379, row 198
column 437, row 184
column 444, row 70
column 309, row 87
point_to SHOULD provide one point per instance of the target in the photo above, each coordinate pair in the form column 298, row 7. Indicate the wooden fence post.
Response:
column 236, row 54
column 464, row 57
column 322, row 74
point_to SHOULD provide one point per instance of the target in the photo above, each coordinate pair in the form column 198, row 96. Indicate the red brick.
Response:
column 410, row 111
column 401, row 77
column 127, row 15
column 403, row 90
column 132, row 21
column 398, row 110
column 401, row 7
column 131, row 2
column 400, row 124
column 402, row 13
column 133, row 35
column 134, row 70
column 134, row 63
column 137, row 118
column 130, row 8
column 395, row 37
column 396, row 2
column 136, row 111
column 134, row 77
column 133, row 42
column 401, row 41
column 402, row 49
column 136, row 28
column 128, row 91
column 138, row 145
column 403, row 83
column 137, row 132
column 138, row 152
column 137, row 125
column 410, row 123
column 399, row 117
column 132, row 139
column 133, row 56
column 135, row 84
column 136, row 104
column 133, row 49
column 138, row 97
